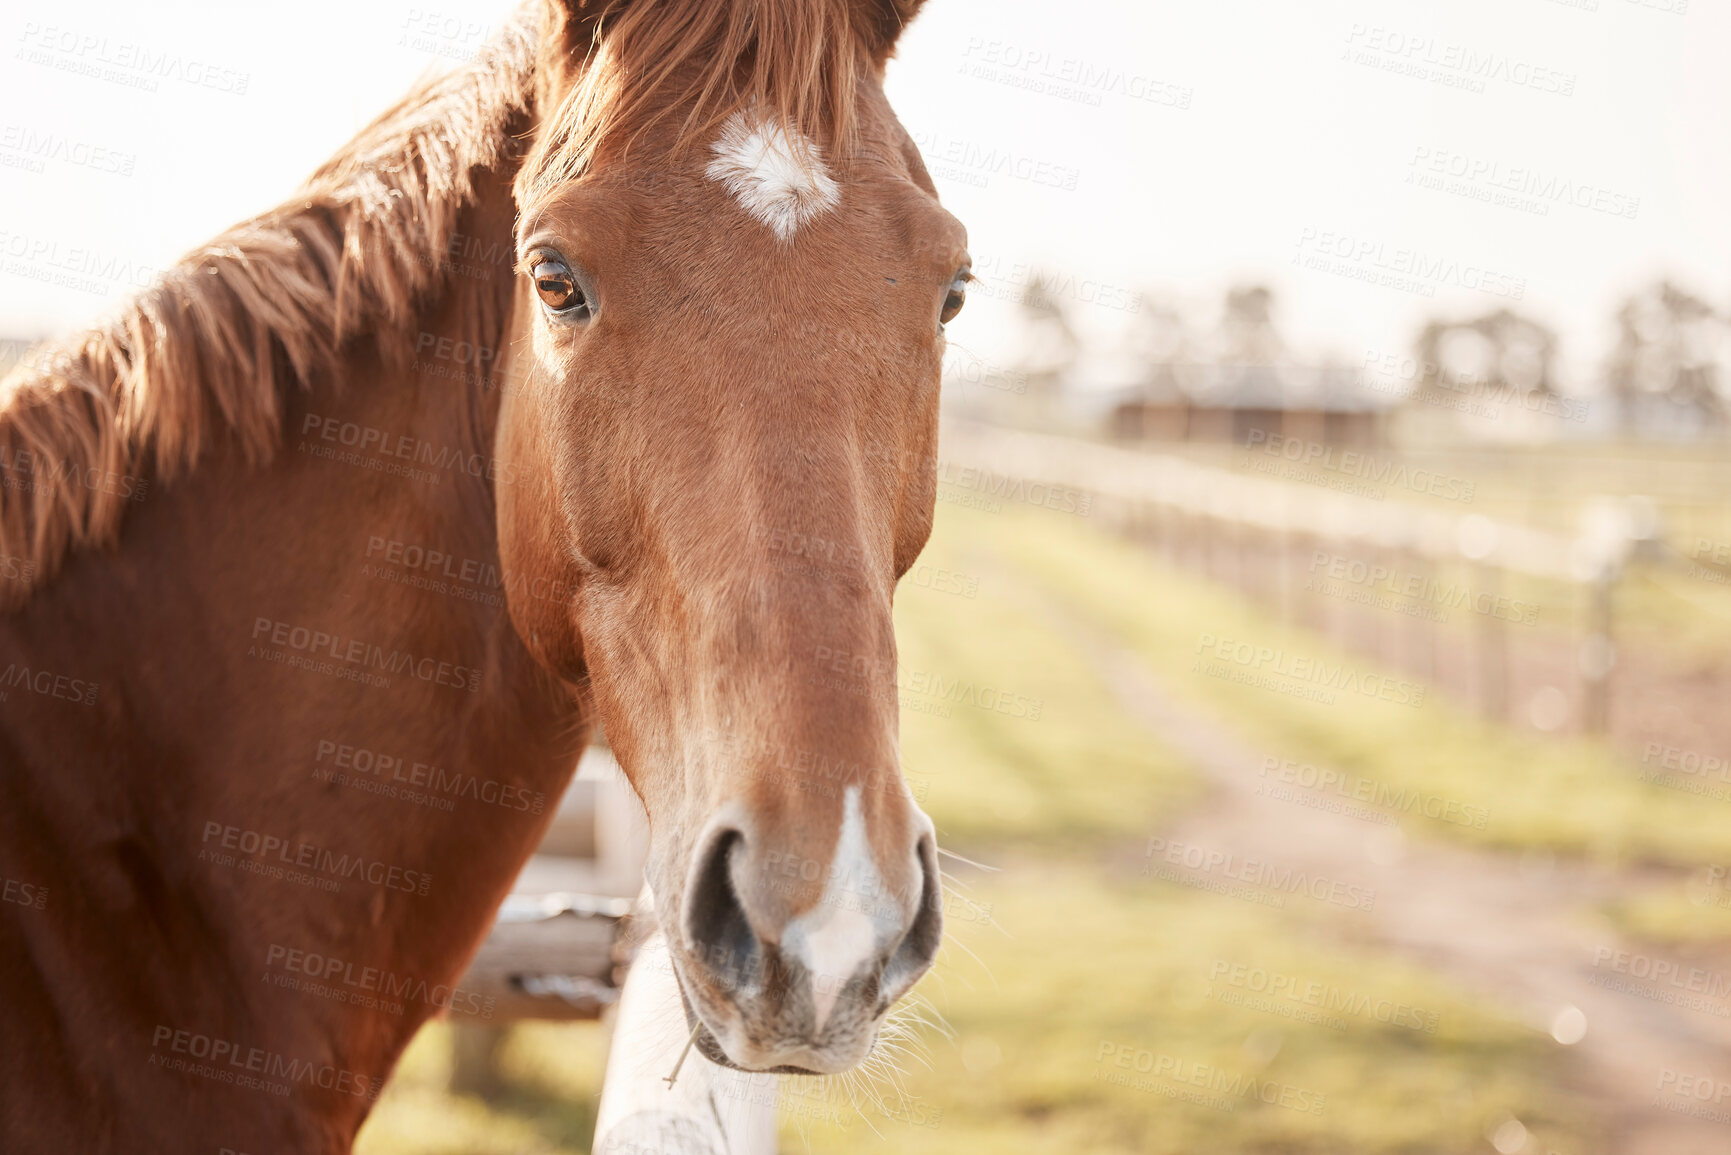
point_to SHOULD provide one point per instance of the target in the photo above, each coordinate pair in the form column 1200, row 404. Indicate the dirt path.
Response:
column 1523, row 936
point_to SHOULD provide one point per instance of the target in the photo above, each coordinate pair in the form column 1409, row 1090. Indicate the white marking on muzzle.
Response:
column 835, row 938
column 776, row 175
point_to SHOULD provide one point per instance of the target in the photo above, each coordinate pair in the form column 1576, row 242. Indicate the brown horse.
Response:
column 595, row 381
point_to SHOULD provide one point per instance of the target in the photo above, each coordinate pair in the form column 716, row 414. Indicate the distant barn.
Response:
column 1225, row 403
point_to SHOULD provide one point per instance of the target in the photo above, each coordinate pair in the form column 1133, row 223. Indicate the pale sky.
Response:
column 1128, row 145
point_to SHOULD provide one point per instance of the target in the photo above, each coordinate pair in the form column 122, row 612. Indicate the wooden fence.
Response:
column 563, row 947
column 1262, row 528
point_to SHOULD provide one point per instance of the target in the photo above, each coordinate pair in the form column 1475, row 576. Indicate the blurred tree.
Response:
column 1247, row 332
column 1163, row 347
column 1501, row 356
column 1049, row 341
column 1667, row 353
column 1250, row 352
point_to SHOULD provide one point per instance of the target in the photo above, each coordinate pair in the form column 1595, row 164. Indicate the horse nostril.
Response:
column 715, row 924
column 914, row 954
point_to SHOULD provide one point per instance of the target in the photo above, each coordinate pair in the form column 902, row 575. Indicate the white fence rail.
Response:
column 706, row 1110
column 1259, row 532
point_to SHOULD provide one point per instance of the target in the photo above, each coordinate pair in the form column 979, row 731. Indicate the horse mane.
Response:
column 210, row 349
column 797, row 61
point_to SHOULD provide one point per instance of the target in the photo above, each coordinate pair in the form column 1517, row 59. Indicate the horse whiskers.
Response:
column 956, row 884
column 958, row 887
column 879, row 1082
column 856, row 1082
column 976, row 908
column 896, row 1054
column 908, row 1039
column 950, row 941
column 966, row 861
column 905, row 1023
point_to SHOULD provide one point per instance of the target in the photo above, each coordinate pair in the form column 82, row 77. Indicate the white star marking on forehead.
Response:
column 776, row 176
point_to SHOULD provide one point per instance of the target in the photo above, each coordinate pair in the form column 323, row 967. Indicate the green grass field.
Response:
column 1574, row 796
column 1096, row 1020
column 1090, row 1008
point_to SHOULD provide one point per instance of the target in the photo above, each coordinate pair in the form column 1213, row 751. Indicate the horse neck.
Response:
column 288, row 717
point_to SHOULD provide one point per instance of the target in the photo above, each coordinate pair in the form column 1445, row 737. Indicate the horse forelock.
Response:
column 699, row 64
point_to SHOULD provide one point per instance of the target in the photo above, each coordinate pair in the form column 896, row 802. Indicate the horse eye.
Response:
column 957, row 297
column 558, row 288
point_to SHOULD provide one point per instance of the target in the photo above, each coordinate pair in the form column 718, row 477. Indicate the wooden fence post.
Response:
column 1286, row 542
column 474, row 1059
column 1493, row 673
column 708, row 1110
column 1598, row 654
column 1420, row 657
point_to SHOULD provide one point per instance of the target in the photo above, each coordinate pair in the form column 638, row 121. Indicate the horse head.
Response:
column 721, row 406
